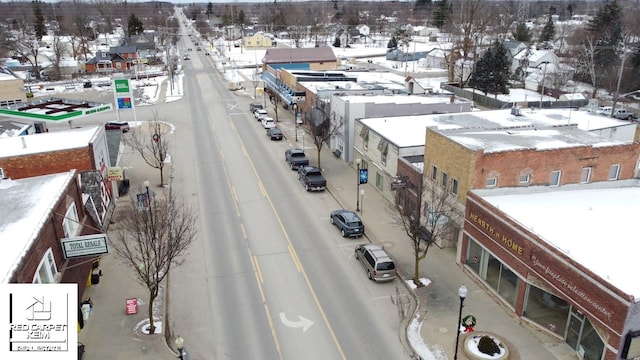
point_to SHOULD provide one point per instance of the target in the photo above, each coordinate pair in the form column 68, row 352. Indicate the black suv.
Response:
column 348, row 222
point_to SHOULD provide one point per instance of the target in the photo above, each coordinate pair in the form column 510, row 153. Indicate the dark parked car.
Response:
column 348, row 222
column 312, row 179
column 295, row 158
column 274, row 133
column 117, row 125
column 254, row 106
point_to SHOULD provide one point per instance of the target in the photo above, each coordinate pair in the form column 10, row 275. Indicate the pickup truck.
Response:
column 623, row 114
column 295, row 158
column 312, row 178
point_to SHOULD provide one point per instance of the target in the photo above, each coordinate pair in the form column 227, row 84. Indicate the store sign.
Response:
column 131, row 306
column 506, row 241
column 115, row 173
column 87, row 245
column 122, row 86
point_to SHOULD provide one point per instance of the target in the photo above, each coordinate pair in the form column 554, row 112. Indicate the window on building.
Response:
column 546, row 309
column 524, row 179
column 379, row 181
column 434, row 173
column 383, row 147
column 585, row 175
column 47, row 269
column 614, row 171
column 70, row 223
column 492, row 181
column 555, row 178
column 445, row 179
column 364, row 134
column 454, row 186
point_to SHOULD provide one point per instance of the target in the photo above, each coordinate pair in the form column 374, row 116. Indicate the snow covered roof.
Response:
column 46, row 142
column 400, row 99
column 32, row 201
column 567, row 225
column 408, row 131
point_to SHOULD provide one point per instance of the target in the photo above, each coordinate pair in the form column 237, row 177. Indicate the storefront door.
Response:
column 574, row 327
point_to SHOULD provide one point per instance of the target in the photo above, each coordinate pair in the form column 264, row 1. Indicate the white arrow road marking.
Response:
column 304, row 323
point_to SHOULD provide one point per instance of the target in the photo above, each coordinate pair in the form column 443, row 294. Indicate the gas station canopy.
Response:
column 54, row 110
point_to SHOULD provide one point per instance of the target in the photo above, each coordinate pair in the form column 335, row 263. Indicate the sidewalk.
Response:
column 438, row 303
column 110, row 333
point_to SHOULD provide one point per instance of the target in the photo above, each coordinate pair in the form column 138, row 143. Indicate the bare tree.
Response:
column 152, row 239
column 425, row 220
column 150, row 141
column 58, row 48
column 322, row 128
column 27, row 48
column 587, row 64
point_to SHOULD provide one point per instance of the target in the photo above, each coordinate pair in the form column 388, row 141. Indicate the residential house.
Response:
column 256, row 39
column 117, row 59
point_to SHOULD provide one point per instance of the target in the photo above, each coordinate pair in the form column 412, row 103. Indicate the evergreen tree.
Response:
column 134, row 26
column 606, row 29
column 39, row 26
column 442, row 13
column 336, row 42
column 209, row 11
column 492, row 71
column 393, row 43
column 522, row 33
column 548, row 32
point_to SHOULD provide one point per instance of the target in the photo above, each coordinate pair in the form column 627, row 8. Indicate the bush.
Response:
column 487, row 345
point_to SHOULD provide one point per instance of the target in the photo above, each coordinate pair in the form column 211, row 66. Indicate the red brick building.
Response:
column 560, row 260
column 84, row 150
column 44, row 210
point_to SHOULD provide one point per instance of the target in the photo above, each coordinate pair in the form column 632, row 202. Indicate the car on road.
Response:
column 260, row 112
column 295, row 158
column 348, row 222
column 268, row 122
column 117, row 125
column 376, row 262
column 186, row 57
column 274, row 133
column 623, row 114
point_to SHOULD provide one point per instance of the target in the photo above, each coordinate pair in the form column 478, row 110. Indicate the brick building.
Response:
column 44, row 209
column 559, row 260
column 84, row 150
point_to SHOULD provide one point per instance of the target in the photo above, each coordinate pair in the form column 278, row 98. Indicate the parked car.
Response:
column 87, row 84
column 376, row 262
column 260, row 112
column 186, row 57
column 348, row 222
column 268, row 122
column 254, row 106
column 312, row 179
column 623, row 114
column 605, row 110
column 274, row 133
column 117, row 125
column 295, row 158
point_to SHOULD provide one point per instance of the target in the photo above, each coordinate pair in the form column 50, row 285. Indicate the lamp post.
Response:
column 358, row 161
column 146, row 185
column 462, row 293
column 180, row 347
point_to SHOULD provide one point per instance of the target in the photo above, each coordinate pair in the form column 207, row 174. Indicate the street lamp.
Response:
column 462, row 293
column 180, row 347
column 358, row 161
column 146, row 185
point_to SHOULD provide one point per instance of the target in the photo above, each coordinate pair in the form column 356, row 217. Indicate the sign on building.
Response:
column 87, row 245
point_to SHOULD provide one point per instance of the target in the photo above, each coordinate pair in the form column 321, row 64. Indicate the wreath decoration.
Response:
column 469, row 322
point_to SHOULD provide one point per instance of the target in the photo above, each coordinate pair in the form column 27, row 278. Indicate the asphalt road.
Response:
column 270, row 277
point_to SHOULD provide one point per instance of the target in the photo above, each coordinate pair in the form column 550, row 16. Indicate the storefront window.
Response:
column 490, row 269
column 502, row 280
column 590, row 344
column 546, row 310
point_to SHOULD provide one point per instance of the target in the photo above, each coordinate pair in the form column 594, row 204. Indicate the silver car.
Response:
column 376, row 261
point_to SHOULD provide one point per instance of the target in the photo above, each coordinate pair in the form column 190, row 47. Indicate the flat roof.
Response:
column 594, row 224
column 54, row 109
column 402, row 99
column 46, row 142
column 408, row 131
column 32, row 201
